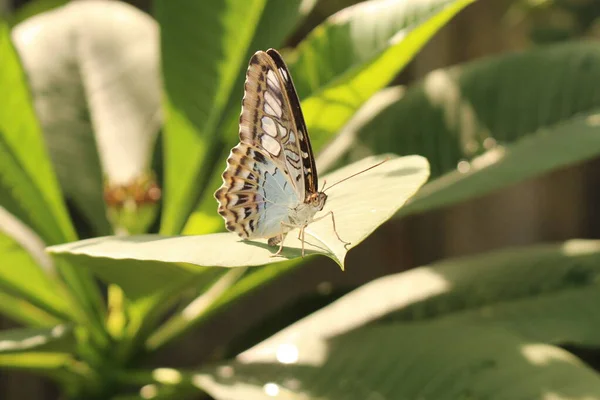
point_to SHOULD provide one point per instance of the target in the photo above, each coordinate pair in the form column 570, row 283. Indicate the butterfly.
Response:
column 270, row 185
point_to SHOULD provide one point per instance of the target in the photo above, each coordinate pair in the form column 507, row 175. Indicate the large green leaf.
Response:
column 203, row 46
column 81, row 102
column 522, row 300
column 357, row 52
column 360, row 206
column 374, row 41
column 574, row 140
column 27, row 272
column 534, row 111
column 277, row 20
column 421, row 361
column 28, row 187
column 546, row 292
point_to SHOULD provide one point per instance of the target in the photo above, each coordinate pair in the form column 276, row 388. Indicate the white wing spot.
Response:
column 268, row 126
column 304, row 154
column 272, row 79
column 271, row 145
column 274, row 101
column 281, row 129
column 269, row 110
column 292, row 138
column 273, row 104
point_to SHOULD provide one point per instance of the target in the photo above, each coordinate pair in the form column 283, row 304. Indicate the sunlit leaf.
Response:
column 533, row 112
column 373, row 42
column 360, row 206
column 422, row 360
column 81, row 102
column 469, row 317
column 199, row 73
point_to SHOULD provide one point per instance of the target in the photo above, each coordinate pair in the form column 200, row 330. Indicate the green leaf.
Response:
column 203, row 46
column 24, row 312
column 28, row 187
column 545, row 292
column 420, row 361
column 525, row 108
column 75, row 376
column 27, row 272
column 360, row 206
column 195, row 311
column 277, row 20
column 569, row 142
column 523, row 300
column 81, row 102
column 357, row 52
column 57, row 339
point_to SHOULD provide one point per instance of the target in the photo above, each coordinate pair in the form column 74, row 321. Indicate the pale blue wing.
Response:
column 256, row 195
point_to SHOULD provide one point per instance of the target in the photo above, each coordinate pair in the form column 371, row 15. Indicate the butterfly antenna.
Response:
column 324, row 184
column 353, row 175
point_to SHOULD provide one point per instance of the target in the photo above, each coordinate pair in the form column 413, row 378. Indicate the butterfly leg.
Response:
column 302, row 234
column 279, row 239
column 334, row 228
column 301, row 237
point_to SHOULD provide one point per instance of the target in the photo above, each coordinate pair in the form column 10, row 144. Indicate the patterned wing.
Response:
column 272, row 120
column 272, row 169
column 255, row 196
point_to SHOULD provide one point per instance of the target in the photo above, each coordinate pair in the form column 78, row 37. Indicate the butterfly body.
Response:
column 270, row 185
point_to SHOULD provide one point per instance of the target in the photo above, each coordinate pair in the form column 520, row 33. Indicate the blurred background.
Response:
column 555, row 207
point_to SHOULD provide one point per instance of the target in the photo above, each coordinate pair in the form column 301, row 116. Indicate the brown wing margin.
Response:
column 311, row 183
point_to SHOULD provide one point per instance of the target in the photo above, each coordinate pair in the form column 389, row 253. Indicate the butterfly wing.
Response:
column 255, row 196
column 272, row 120
column 272, row 169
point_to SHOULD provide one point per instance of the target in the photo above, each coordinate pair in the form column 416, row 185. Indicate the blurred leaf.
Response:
column 73, row 375
column 444, row 315
column 80, row 101
column 195, row 311
column 356, row 52
column 26, row 271
column 360, row 206
column 31, row 361
column 553, row 300
column 24, row 312
column 569, row 142
column 57, row 339
column 418, row 361
column 28, row 188
column 33, row 8
column 203, row 45
column 534, row 111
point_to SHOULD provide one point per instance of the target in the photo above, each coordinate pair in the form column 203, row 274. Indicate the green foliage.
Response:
column 462, row 328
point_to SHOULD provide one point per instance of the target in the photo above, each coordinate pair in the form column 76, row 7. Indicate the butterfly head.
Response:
column 317, row 200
